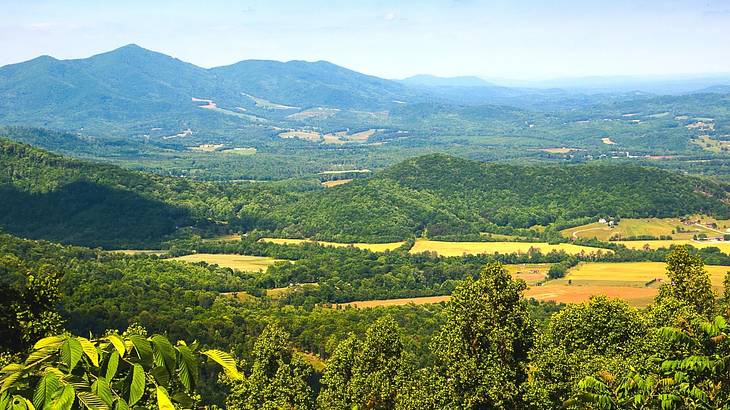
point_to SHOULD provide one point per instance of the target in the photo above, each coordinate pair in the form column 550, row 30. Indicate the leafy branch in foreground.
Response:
column 113, row 372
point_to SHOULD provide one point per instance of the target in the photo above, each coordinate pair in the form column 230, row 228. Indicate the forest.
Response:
column 488, row 347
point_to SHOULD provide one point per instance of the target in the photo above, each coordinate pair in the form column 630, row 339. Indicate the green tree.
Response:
column 278, row 377
column 484, row 344
column 28, row 311
column 71, row 372
column 602, row 334
column 336, row 393
column 689, row 282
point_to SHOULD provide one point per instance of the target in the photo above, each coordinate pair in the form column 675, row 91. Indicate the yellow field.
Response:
column 243, row 263
column 139, row 252
column 631, row 273
column 647, row 226
column 277, row 293
column 330, row 184
column 395, row 302
column 532, row 273
column 373, row 247
column 475, row 248
column 724, row 246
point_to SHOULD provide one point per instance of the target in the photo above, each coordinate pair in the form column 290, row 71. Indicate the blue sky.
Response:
column 494, row 39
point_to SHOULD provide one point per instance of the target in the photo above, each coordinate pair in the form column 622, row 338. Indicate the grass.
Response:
column 243, row 263
column 532, row 273
column 724, row 246
column 474, row 248
column 330, row 184
column 631, row 273
column 645, row 226
column 373, row 247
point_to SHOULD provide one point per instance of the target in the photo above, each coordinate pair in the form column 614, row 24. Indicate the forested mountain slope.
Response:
column 51, row 197
column 450, row 195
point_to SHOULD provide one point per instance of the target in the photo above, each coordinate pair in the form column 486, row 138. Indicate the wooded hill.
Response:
column 52, row 197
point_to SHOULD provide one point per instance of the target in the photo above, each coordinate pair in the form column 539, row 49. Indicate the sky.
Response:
column 511, row 39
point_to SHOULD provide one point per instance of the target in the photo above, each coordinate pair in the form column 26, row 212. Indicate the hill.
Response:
column 47, row 196
column 447, row 195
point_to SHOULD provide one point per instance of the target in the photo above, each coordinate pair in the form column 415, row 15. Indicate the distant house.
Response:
column 712, row 225
column 602, row 221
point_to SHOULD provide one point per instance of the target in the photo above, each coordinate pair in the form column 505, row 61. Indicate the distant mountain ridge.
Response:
column 434, row 81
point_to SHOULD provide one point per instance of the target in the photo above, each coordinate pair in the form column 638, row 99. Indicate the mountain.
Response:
column 304, row 84
column 132, row 87
column 447, row 195
column 434, row 81
column 46, row 196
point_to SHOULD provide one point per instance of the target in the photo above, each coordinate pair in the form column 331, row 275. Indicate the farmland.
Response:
column 373, row 247
column 474, row 248
column 723, row 246
column 656, row 227
column 630, row 273
column 243, row 263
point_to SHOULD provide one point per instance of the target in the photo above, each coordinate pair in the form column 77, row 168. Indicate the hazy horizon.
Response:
column 516, row 40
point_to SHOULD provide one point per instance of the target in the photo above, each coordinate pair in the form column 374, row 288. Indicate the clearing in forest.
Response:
column 373, row 247
column 638, row 274
column 244, row 263
column 475, row 248
column 724, row 246
column 330, row 184
column 656, row 227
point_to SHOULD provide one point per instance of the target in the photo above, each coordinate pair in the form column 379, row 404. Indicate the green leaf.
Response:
column 64, row 399
column 144, row 350
column 226, row 361
column 164, row 352
column 111, row 366
column 118, row 344
column 71, row 353
column 9, row 381
column 12, row 368
column 161, row 375
column 4, row 399
column 89, row 350
column 101, row 388
column 38, row 356
column 187, row 367
column 91, row 401
column 163, row 400
column 51, row 342
column 120, row 404
column 21, row 403
column 47, row 386
column 136, row 387
column 185, row 401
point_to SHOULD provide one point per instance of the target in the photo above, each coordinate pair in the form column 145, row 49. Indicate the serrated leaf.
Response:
column 118, row 344
column 51, row 342
column 101, row 388
column 137, row 384
column 47, row 386
column 37, row 356
column 187, row 367
column 12, row 368
column 9, row 380
column 91, row 401
column 111, row 366
column 64, row 400
column 161, row 375
column 183, row 399
column 71, row 352
column 164, row 352
column 90, row 350
column 120, row 404
column 163, row 400
column 226, row 361
column 144, row 350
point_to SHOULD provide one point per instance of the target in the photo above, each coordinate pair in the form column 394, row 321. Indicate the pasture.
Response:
column 373, row 247
column 647, row 226
column 723, row 246
column 630, row 273
column 330, row 184
column 531, row 273
column 242, row 263
column 475, row 248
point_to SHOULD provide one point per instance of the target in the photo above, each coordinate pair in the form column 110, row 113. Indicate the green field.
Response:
column 475, row 248
column 243, row 263
column 631, row 273
column 656, row 227
column 373, row 247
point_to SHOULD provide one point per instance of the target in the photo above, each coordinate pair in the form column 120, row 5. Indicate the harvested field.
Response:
column 373, row 247
column 330, row 184
column 562, row 150
column 607, row 141
column 243, row 263
column 638, row 274
column 475, row 248
column 564, row 293
column 139, row 252
column 395, row 302
column 724, row 246
column 531, row 273
column 207, row 147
